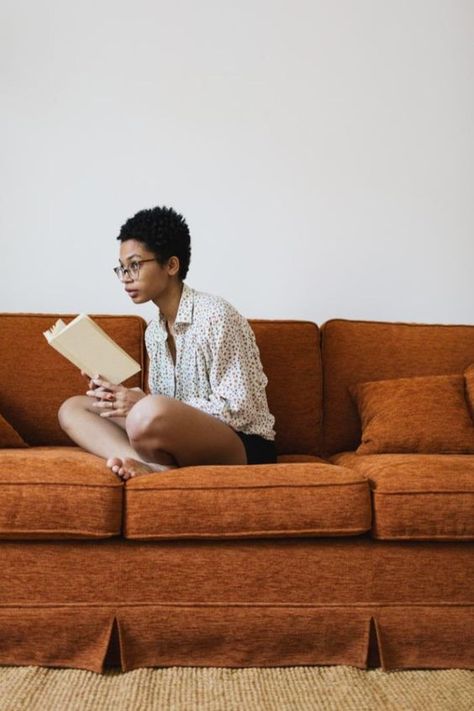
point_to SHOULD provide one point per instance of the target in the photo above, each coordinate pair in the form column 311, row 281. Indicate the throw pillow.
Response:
column 426, row 414
column 9, row 437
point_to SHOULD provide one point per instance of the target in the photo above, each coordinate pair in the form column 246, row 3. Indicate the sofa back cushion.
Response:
column 291, row 359
column 361, row 351
column 35, row 379
column 469, row 383
column 9, row 437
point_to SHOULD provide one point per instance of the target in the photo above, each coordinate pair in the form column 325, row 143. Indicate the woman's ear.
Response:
column 173, row 266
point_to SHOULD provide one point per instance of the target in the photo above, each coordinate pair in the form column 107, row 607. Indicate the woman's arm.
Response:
column 236, row 375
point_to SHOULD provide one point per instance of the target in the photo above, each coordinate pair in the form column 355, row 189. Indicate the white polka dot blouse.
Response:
column 218, row 368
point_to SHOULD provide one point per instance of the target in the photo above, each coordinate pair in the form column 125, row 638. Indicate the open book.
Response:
column 89, row 347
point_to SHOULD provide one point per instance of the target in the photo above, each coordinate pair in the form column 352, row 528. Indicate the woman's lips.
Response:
column 132, row 292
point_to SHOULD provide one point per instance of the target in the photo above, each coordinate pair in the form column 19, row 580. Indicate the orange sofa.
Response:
column 327, row 557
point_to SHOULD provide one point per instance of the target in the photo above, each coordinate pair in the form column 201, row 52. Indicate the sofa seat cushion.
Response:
column 57, row 492
column 418, row 496
column 288, row 458
column 247, row 501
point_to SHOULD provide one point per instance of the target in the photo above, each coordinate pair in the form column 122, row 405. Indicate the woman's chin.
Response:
column 137, row 297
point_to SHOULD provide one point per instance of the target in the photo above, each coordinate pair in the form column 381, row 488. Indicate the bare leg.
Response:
column 107, row 438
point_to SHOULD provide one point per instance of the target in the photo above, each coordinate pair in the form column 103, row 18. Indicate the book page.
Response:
column 54, row 330
column 92, row 350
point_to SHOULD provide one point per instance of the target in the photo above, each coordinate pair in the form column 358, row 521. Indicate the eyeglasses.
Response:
column 133, row 269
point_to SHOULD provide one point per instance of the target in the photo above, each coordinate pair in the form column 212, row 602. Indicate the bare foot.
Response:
column 127, row 467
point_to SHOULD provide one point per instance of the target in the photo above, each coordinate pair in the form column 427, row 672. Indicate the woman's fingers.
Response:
column 100, row 382
column 100, row 403
column 101, row 393
column 113, row 413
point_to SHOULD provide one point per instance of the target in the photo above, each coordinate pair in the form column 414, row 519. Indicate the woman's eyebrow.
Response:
column 130, row 257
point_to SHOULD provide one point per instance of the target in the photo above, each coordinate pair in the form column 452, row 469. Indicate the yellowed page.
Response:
column 54, row 330
column 88, row 347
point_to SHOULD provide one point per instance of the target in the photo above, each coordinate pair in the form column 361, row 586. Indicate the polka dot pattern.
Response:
column 218, row 367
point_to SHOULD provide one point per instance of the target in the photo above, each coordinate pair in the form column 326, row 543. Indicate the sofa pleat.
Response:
column 425, row 636
column 70, row 636
column 233, row 603
column 242, row 635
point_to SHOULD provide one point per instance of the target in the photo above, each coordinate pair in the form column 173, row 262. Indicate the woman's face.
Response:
column 146, row 279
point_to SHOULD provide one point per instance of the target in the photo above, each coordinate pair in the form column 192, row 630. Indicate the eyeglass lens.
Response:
column 131, row 271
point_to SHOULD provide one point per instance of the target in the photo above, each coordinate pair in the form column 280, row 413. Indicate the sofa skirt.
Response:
column 252, row 603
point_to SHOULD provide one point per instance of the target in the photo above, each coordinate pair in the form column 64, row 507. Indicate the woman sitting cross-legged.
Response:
column 207, row 401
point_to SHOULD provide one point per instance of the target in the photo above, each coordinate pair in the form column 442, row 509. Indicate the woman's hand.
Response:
column 112, row 400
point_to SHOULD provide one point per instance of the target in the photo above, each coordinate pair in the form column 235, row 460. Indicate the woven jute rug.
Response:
column 301, row 688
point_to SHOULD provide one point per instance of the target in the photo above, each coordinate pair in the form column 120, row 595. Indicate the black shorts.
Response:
column 259, row 450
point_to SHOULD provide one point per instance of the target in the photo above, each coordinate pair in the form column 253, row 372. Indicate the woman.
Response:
column 208, row 403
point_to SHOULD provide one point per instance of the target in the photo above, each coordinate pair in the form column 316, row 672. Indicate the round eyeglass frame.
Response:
column 132, row 273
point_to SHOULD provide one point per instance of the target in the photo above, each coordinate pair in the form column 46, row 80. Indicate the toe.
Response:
column 113, row 462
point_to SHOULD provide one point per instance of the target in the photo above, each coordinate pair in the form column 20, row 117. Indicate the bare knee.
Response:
column 146, row 416
column 69, row 409
column 146, row 425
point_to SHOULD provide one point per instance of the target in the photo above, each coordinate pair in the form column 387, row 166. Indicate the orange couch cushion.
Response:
column 418, row 496
column 288, row 458
column 267, row 500
column 424, row 414
column 469, row 379
column 57, row 492
column 360, row 351
column 291, row 359
column 9, row 437
column 33, row 388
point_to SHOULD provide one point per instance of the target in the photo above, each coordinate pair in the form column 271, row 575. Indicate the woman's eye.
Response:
column 134, row 266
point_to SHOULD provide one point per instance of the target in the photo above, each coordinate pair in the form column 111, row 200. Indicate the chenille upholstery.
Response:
column 9, row 437
column 425, row 415
column 35, row 379
column 298, row 499
column 360, row 351
column 326, row 557
column 418, row 496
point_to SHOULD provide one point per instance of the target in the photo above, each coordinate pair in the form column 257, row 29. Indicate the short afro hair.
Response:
column 164, row 231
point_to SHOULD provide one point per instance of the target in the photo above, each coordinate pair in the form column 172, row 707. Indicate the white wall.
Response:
column 322, row 152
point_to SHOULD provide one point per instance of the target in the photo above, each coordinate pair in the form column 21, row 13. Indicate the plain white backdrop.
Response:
column 322, row 152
